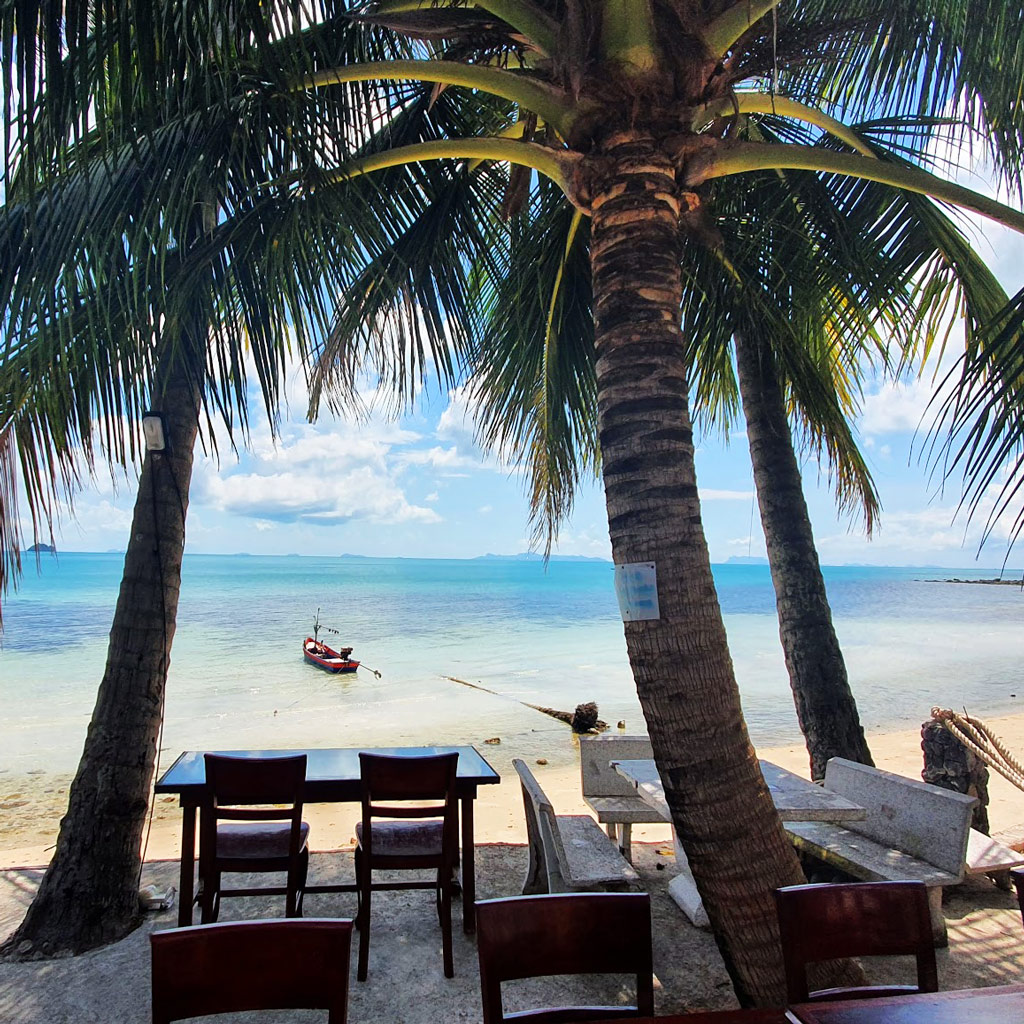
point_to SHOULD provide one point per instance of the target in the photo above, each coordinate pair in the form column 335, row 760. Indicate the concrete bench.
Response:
column 611, row 797
column 568, row 852
column 988, row 856
column 912, row 831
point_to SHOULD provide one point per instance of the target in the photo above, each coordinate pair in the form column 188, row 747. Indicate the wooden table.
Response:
column 796, row 799
column 1003, row 1004
column 332, row 776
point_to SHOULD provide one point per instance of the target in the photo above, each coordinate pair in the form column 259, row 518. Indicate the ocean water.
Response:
column 550, row 637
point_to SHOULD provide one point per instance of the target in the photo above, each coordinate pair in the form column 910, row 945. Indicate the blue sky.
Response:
column 420, row 487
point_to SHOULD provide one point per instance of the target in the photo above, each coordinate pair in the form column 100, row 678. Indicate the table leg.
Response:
column 468, row 868
column 188, row 863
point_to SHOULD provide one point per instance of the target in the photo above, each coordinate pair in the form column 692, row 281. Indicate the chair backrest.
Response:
column 566, row 933
column 390, row 783
column 597, row 776
column 233, row 782
column 832, row 921
column 251, row 965
column 541, row 827
column 925, row 821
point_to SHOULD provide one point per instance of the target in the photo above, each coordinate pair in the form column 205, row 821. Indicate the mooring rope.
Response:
column 981, row 741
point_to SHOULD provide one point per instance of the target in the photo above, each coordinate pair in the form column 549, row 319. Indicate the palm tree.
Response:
column 629, row 108
column 145, row 270
column 810, row 364
column 839, row 287
column 978, row 427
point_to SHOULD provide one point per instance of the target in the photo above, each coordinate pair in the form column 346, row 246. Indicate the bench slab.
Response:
column 591, row 858
column 862, row 857
column 985, row 854
column 631, row 810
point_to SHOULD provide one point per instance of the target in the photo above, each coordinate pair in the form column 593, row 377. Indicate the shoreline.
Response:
column 33, row 804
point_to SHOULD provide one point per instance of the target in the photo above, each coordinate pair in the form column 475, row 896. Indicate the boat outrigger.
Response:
column 318, row 653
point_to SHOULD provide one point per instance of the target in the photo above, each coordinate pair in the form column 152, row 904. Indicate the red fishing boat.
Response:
column 318, row 653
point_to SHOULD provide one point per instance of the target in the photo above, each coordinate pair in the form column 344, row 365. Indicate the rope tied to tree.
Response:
column 983, row 743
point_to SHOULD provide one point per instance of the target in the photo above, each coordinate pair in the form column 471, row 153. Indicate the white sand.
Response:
column 32, row 805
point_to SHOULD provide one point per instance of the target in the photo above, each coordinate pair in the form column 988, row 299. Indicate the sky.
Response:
column 420, row 486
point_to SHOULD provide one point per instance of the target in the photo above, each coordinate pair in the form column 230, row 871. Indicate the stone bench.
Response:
column 912, row 831
column 568, row 852
column 611, row 797
column 988, row 856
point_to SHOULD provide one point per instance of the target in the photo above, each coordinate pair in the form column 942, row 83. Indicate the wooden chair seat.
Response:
column 405, row 838
column 257, row 842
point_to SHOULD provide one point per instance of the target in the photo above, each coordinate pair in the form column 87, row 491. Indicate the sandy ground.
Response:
column 406, row 983
column 31, row 806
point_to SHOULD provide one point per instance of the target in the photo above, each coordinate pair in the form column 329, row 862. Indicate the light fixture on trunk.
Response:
column 153, row 431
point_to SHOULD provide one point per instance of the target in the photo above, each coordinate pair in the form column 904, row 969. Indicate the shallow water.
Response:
column 551, row 638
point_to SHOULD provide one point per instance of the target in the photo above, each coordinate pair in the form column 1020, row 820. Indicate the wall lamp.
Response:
column 153, row 431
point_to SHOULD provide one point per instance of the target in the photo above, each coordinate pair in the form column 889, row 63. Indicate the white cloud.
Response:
column 316, row 474
column 319, row 497
column 896, row 407
column 456, row 421
column 439, row 458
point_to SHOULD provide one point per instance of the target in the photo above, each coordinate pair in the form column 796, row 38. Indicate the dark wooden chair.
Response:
column 828, row 922
column 565, row 933
column 421, row 792
column 1017, row 874
column 240, row 830
column 251, row 965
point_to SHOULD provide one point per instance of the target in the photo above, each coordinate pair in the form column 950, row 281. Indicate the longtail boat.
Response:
column 316, row 652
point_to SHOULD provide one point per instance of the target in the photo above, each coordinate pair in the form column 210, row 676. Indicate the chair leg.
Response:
column 364, row 877
column 303, row 875
column 445, row 893
column 296, row 885
column 210, row 903
column 359, row 889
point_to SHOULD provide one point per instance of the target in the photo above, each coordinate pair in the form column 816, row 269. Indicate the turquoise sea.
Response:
column 548, row 636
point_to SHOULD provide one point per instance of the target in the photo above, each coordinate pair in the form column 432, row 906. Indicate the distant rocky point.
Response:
column 990, row 583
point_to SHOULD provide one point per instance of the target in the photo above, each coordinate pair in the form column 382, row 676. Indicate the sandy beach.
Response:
column 406, row 985
column 32, row 805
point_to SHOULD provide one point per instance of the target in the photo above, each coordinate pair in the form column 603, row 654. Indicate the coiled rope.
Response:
column 981, row 741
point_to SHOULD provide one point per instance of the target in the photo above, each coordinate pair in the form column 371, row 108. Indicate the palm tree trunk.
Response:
column 825, row 707
column 720, row 804
column 89, row 894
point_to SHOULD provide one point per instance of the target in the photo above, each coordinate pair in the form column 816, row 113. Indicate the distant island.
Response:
column 43, row 549
column 746, row 560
